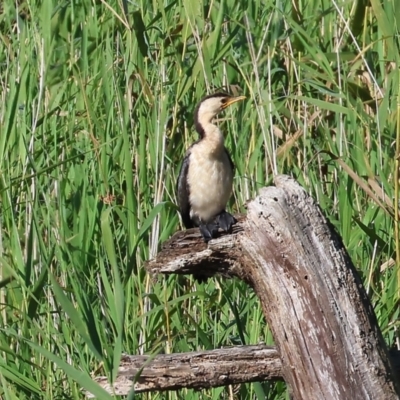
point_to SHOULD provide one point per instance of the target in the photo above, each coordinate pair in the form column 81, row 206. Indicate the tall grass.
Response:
column 95, row 115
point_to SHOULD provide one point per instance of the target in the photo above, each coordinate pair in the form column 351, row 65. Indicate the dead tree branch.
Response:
column 326, row 332
column 312, row 297
column 197, row 370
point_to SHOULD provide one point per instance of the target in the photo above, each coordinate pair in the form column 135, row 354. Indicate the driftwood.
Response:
column 323, row 323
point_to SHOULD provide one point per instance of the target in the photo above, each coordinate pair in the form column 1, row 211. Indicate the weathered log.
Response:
column 312, row 297
column 197, row 370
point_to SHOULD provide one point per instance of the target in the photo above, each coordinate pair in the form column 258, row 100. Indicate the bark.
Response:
column 196, row 370
column 312, row 297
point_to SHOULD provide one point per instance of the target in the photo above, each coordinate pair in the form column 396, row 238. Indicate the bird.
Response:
column 205, row 181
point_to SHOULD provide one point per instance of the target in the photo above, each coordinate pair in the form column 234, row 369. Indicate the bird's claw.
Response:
column 223, row 220
column 208, row 231
column 226, row 221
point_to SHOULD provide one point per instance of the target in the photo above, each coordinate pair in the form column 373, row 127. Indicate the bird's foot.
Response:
column 226, row 221
column 223, row 220
column 209, row 231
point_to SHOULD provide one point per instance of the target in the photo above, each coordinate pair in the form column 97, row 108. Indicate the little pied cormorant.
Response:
column 205, row 181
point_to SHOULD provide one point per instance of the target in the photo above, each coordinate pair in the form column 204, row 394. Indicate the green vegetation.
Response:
column 95, row 116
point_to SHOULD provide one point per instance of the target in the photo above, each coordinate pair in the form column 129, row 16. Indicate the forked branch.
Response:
column 312, row 297
column 325, row 329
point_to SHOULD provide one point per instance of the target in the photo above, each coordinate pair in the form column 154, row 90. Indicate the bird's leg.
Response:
column 209, row 231
column 225, row 221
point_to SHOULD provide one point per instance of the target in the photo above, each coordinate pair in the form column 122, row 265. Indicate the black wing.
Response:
column 183, row 190
column 230, row 160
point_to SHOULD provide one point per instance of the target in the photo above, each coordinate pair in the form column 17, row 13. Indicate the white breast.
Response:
column 210, row 179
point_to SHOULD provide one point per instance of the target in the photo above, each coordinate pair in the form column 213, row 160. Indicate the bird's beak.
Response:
column 233, row 100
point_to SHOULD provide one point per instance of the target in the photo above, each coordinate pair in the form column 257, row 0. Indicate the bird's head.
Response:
column 210, row 106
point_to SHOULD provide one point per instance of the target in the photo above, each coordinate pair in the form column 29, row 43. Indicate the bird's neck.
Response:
column 213, row 138
column 210, row 134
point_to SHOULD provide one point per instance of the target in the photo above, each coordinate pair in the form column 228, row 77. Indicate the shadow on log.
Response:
column 312, row 297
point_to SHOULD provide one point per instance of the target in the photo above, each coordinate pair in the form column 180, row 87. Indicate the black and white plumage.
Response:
column 205, row 180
